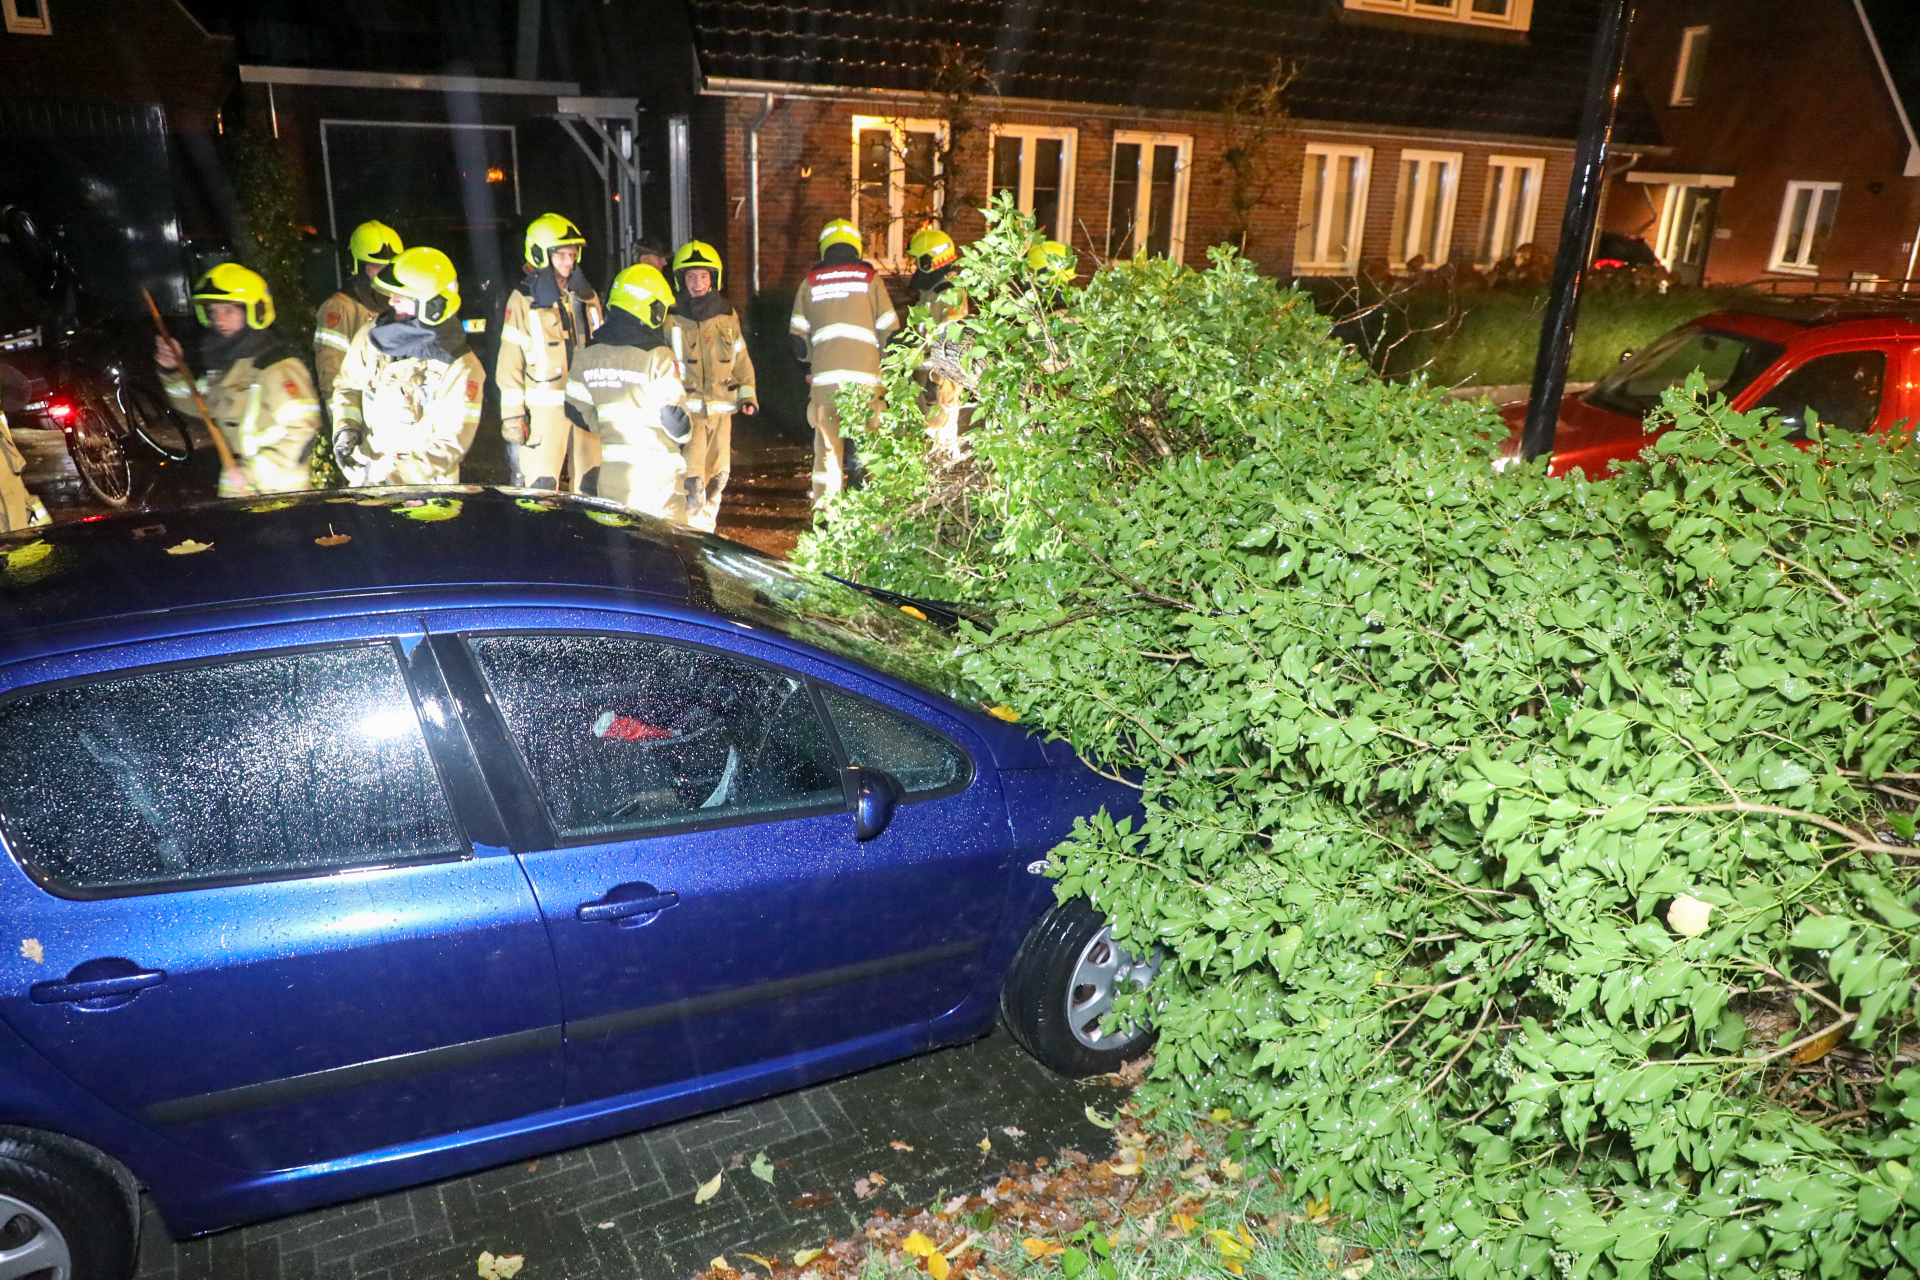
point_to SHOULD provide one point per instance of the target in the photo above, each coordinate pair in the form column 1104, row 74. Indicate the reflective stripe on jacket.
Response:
column 537, row 344
column 269, row 417
column 334, row 325
column 844, row 315
column 714, row 363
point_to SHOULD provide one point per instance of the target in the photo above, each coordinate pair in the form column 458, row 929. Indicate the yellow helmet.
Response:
column 932, row 249
column 1053, row 262
column 374, row 242
column 427, row 276
column 231, row 282
column 698, row 253
column 642, row 292
column 839, row 231
column 548, row 232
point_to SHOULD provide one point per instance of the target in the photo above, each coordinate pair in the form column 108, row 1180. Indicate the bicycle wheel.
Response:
column 93, row 441
column 156, row 424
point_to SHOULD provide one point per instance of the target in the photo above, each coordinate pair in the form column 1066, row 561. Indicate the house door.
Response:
column 1687, row 231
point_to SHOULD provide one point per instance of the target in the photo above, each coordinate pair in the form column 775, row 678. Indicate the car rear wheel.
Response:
column 1059, row 993
column 63, row 1215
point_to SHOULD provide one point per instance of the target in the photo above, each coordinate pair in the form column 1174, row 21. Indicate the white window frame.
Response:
column 1022, row 185
column 895, row 254
column 1777, row 260
column 1416, row 208
column 1692, row 41
column 1518, row 17
column 19, row 26
column 1143, row 190
column 1319, row 264
column 1499, row 218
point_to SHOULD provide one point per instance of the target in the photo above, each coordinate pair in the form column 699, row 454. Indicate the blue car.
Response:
column 359, row 839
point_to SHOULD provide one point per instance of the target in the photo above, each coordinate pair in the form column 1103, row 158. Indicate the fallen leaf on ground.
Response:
column 719, row 1263
column 606, row 1226
column 1105, row 1122
column 761, row 1168
column 937, row 1267
column 918, row 1245
column 813, row 1200
column 985, row 1144
column 504, row 1267
column 897, row 1145
column 1184, row 1223
column 1815, row 1050
column 805, row 1256
column 186, row 547
column 533, row 1166
column 1220, row 1115
column 1038, row 1248
column 1358, row 1270
column 1012, row 1132
column 1329, row 1246
column 32, row 950
column 768, row 1263
column 709, row 1189
column 1317, row 1210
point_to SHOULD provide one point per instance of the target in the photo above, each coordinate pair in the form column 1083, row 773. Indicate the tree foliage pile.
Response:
column 1537, row 851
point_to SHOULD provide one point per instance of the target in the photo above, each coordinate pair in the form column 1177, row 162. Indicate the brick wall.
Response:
column 1790, row 92
column 806, row 160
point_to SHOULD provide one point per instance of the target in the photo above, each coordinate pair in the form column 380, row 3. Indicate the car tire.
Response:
column 1063, row 977
column 58, row 1197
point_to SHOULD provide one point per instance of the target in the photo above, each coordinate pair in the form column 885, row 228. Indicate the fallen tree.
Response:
column 1537, row 851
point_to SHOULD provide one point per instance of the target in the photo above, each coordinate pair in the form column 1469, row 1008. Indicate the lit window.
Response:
column 1333, row 210
column 897, row 188
column 1148, row 210
column 1035, row 166
column 1806, row 220
column 1514, row 15
column 27, row 17
column 1513, row 201
column 1692, row 65
column 1423, row 211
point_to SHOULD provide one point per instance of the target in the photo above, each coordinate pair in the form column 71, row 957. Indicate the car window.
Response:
column 1842, row 389
column 920, row 758
column 1728, row 361
column 810, row 606
column 626, row 735
column 288, row 764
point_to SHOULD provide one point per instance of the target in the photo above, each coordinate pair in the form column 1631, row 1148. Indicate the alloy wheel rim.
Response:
column 1101, row 967
column 31, row 1246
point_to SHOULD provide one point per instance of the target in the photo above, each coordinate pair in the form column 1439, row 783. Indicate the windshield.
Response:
column 812, row 607
column 1729, row 362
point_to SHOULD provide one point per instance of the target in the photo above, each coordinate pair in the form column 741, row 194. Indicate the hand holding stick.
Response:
column 229, row 465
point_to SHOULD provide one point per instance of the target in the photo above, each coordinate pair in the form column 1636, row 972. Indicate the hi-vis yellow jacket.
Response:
column 633, row 399
column 269, row 417
column 334, row 324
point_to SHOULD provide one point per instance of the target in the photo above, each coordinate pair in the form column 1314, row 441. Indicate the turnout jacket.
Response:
column 544, row 327
column 261, row 397
column 334, row 324
column 712, row 352
column 626, row 388
column 415, row 393
column 841, row 318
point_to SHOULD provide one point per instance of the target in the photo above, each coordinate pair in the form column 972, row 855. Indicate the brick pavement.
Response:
column 624, row 1210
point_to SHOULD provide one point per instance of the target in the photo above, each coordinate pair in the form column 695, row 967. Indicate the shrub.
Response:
column 1534, row 849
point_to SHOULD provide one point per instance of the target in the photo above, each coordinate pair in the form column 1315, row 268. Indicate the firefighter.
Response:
column 626, row 388
column 841, row 318
column 718, row 374
column 935, row 258
column 549, row 317
column 19, row 508
column 372, row 246
column 407, row 401
column 257, row 390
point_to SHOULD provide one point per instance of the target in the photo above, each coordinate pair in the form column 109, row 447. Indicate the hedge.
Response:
column 1534, row 850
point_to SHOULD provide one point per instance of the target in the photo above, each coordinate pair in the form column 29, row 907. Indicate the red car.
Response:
column 1853, row 361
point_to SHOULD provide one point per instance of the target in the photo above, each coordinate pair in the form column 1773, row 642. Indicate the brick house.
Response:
column 1791, row 133
column 1422, row 131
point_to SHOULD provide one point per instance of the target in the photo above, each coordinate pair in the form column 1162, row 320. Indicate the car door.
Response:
column 252, row 909
column 709, row 904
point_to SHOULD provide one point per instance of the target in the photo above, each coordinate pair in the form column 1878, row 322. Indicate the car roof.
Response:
column 1895, row 313
column 328, row 543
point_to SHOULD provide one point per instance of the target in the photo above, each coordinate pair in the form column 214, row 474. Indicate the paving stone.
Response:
column 820, row 1139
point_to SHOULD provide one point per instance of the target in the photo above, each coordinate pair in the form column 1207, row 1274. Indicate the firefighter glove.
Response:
column 513, row 430
column 346, row 440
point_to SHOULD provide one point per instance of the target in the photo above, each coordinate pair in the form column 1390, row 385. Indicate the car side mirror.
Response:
column 873, row 795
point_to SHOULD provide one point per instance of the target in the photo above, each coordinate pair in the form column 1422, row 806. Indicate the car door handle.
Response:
column 619, row 908
column 71, row 992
